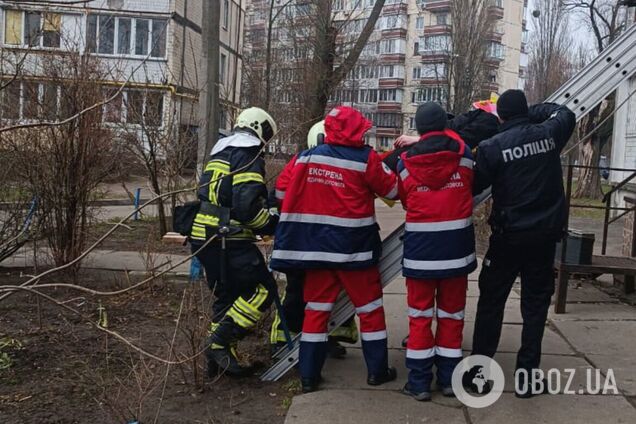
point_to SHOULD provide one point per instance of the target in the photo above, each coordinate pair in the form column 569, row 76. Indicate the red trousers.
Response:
column 322, row 287
column 451, row 300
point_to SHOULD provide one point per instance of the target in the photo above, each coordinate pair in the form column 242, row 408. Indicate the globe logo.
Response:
column 478, row 381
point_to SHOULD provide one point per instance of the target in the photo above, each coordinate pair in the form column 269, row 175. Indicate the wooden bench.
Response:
column 615, row 265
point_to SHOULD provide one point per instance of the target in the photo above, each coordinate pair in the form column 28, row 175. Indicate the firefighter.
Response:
column 522, row 164
column 435, row 186
column 234, row 209
column 293, row 304
column 328, row 229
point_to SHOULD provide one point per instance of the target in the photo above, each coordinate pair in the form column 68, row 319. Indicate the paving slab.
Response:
column 473, row 290
column 561, row 409
column 511, row 340
column 370, row 407
column 512, row 311
column 586, row 292
column 507, row 362
column 624, row 369
column 351, row 371
column 601, row 338
column 609, row 344
column 595, row 312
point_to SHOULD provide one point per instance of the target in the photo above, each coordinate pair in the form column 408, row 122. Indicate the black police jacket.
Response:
column 522, row 164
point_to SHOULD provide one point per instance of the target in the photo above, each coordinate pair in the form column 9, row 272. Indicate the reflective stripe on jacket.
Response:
column 243, row 192
column 328, row 213
column 435, row 181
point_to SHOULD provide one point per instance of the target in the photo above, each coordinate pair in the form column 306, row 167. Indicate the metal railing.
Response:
column 607, row 199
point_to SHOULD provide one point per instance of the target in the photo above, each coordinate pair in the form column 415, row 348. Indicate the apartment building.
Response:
column 404, row 61
column 153, row 46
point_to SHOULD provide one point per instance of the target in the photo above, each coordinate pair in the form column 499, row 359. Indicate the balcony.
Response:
column 435, row 6
column 437, row 29
column 400, row 6
column 496, row 11
column 391, row 82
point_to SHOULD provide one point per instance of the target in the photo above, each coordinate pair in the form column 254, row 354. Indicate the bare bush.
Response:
column 62, row 165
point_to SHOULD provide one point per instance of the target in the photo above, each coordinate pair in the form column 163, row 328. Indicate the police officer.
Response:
column 293, row 303
column 234, row 209
column 522, row 164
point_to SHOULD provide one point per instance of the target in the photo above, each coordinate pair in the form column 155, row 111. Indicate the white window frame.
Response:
column 133, row 36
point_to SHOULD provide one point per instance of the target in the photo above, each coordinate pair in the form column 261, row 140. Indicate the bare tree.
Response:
column 551, row 62
column 603, row 17
column 467, row 68
column 161, row 146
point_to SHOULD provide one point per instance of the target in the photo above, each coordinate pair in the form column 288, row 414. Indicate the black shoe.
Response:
column 405, row 341
column 527, row 394
column 421, row 396
column 335, row 349
column 310, row 384
column 223, row 361
column 389, row 375
column 448, row 391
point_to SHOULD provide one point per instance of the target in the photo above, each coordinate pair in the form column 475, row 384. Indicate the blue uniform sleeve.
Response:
column 558, row 120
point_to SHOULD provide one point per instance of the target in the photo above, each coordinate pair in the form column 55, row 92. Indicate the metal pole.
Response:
column 209, row 96
column 137, row 201
column 562, row 282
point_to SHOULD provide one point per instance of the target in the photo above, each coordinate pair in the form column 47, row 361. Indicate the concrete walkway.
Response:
column 597, row 332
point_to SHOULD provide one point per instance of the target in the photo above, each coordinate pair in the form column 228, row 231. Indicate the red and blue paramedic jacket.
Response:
column 435, row 186
column 328, row 215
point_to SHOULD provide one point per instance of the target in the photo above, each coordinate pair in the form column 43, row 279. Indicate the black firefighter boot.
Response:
column 220, row 352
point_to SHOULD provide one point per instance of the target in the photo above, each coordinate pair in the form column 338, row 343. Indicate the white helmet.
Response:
column 316, row 135
column 258, row 121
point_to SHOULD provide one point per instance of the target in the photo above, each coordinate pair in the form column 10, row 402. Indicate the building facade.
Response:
column 154, row 47
column 404, row 62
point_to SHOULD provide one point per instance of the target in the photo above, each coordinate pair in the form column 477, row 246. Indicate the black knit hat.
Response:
column 512, row 104
column 430, row 117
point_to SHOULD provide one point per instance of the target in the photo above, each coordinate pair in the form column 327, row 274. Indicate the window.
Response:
column 141, row 107
column 419, row 22
column 226, row 14
column 10, row 98
column 108, row 34
column 158, row 38
column 33, row 29
column 437, row 43
column 28, row 100
column 392, row 46
column 12, row 27
column 142, row 28
column 113, row 109
column 106, row 41
column 412, row 123
column 416, row 48
column 429, row 94
column 496, row 50
column 391, row 95
column 51, row 29
column 387, row 120
column 417, row 72
column 222, row 67
column 433, row 70
column 441, row 18
column 385, row 143
column 124, row 31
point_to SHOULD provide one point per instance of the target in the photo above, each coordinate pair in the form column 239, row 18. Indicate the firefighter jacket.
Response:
column 327, row 192
column 435, row 187
column 522, row 164
column 234, row 181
